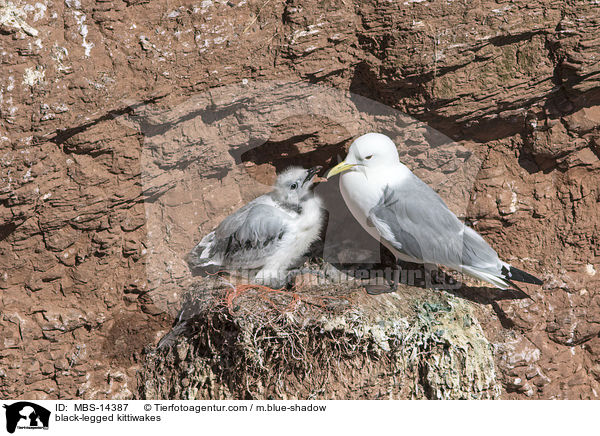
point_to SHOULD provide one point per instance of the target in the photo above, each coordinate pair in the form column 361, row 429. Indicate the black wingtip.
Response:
column 518, row 275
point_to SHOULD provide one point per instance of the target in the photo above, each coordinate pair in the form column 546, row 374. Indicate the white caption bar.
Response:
column 308, row 418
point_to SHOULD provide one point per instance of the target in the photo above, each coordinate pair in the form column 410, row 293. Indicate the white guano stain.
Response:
column 11, row 83
column 83, row 31
column 502, row 9
column 83, row 28
column 39, row 10
column 13, row 16
column 311, row 30
column 514, row 200
column 33, row 76
column 590, row 270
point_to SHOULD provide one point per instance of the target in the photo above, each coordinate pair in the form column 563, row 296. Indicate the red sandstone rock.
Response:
column 517, row 85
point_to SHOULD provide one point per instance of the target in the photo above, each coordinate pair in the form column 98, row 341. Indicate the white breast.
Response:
column 304, row 230
column 360, row 197
column 363, row 189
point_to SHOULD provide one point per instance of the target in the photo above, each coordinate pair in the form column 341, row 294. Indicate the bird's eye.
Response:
column 294, row 185
column 368, row 157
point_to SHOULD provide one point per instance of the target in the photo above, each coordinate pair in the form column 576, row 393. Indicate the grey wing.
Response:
column 415, row 221
column 246, row 238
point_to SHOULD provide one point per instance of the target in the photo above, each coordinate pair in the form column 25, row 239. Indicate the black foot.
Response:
column 379, row 289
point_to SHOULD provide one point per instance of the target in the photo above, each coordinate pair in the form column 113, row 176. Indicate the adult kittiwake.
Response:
column 269, row 235
column 411, row 219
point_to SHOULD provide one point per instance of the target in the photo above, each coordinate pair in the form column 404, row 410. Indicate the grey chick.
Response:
column 270, row 234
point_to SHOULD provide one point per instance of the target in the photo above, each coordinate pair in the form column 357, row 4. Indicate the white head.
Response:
column 293, row 185
column 368, row 151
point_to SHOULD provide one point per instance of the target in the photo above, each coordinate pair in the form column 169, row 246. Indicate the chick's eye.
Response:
column 368, row 157
column 294, row 185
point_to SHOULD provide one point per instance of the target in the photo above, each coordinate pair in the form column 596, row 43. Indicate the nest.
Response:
column 322, row 342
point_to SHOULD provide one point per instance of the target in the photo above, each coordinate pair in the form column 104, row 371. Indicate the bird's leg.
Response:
column 396, row 278
column 385, row 289
column 291, row 276
column 432, row 276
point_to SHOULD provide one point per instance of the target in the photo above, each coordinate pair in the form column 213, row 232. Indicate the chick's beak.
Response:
column 311, row 173
column 339, row 168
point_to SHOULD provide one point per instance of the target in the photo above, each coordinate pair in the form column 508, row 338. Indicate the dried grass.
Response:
column 322, row 342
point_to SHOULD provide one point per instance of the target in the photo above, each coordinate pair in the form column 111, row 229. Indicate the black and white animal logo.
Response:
column 25, row 414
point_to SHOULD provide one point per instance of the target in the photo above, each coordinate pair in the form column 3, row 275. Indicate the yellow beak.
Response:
column 339, row 168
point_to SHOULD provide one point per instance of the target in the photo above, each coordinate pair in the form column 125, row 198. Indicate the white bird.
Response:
column 270, row 234
column 411, row 219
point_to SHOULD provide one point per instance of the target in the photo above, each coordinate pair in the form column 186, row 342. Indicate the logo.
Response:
column 26, row 415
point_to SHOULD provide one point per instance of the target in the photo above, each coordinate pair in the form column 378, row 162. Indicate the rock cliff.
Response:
column 122, row 125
